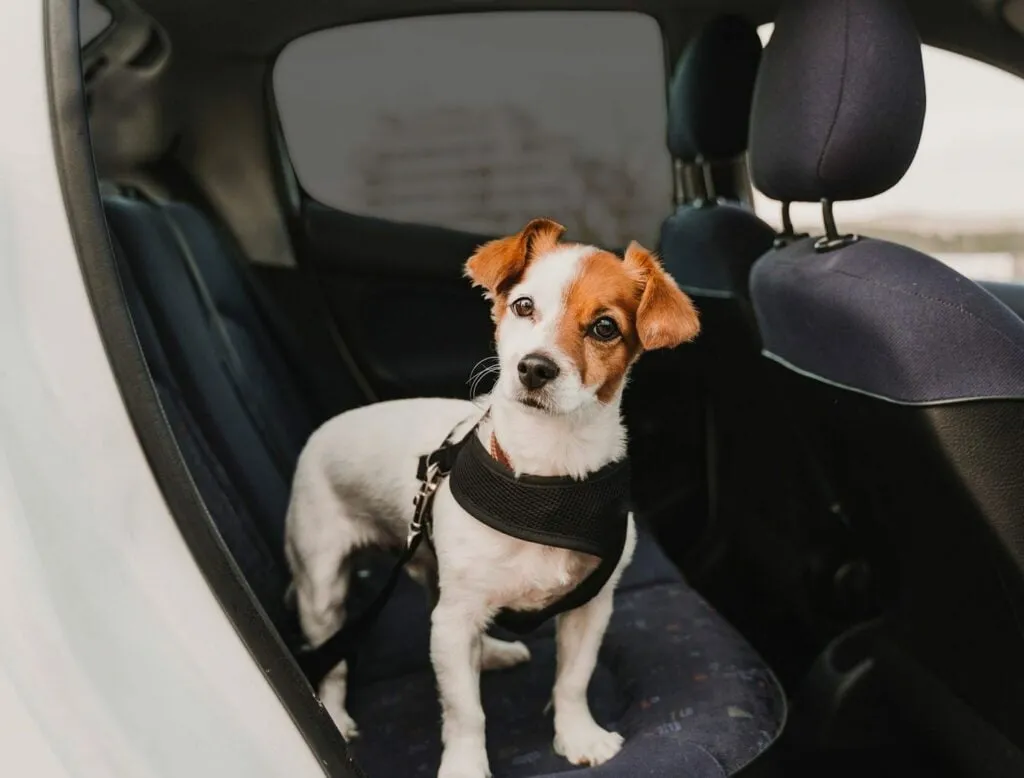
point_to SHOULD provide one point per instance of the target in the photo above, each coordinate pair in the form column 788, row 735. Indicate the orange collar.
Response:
column 499, row 453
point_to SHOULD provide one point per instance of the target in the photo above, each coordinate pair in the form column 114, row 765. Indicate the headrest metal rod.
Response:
column 680, row 195
column 710, row 195
column 831, row 239
column 787, row 220
column 693, row 184
column 788, row 234
column 829, row 218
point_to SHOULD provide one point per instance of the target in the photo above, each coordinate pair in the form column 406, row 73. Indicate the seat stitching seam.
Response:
column 938, row 300
column 842, row 89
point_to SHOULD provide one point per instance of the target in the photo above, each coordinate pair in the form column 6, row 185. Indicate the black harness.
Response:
column 589, row 515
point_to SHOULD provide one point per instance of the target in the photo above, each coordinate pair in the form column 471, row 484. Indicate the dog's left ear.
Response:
column 666, row 316
column 497, row 265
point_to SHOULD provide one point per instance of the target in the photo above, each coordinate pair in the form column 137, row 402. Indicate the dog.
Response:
column 570, row 320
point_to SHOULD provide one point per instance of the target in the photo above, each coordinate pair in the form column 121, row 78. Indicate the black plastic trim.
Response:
column 73, row 156
column 929, row 403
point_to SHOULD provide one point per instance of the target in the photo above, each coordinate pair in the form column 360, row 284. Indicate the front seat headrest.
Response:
column 839, row 102
column 710, row 93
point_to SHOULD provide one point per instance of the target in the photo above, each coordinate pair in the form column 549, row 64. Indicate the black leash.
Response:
column 433, row 468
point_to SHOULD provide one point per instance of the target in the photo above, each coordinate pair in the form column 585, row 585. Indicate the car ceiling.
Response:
column 260, row 28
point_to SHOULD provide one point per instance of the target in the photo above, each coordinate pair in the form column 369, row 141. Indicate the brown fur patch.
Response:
column 666, row 316
column 646, row 304
column 603, row 287
column 498, row 265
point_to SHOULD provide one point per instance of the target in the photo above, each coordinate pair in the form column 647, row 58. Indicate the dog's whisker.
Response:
column 484, row 361
column 481, row 369
column 483, row 366
column 480, row 376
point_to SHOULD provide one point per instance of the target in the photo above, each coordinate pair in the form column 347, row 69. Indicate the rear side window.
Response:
column 483, row 121
column 93, row 18
column 962, row 200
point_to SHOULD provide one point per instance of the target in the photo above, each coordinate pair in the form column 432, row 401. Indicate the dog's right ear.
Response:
column 498, row 265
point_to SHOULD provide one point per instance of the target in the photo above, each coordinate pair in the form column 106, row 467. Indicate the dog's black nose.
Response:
column 535, row 370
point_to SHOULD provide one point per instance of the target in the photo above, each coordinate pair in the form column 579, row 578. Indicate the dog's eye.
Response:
column 522, row 307
column 604, row 329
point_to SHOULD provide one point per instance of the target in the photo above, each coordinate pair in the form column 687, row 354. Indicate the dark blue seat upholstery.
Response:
column 909, row 377
column 759, row 474
column 687, row 690
column 709, row 245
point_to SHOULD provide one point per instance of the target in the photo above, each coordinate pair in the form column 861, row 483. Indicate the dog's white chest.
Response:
column 501, row 570
column 536, row 576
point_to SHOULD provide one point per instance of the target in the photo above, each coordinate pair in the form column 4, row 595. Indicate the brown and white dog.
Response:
column 571, row 320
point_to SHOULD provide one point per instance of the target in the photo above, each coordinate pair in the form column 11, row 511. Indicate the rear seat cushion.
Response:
column 398, row 643
column 689, row 695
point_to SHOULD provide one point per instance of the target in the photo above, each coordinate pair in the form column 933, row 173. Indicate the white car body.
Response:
column 116, row 659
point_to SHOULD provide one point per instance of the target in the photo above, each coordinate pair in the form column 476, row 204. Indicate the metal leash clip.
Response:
column 422, row 501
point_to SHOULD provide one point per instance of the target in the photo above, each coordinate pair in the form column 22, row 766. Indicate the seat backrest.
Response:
column 229, row 373
column 909, row 376
column 260, row 563
column 709, row 246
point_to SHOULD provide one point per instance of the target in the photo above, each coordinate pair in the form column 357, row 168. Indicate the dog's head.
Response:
column 571, row 319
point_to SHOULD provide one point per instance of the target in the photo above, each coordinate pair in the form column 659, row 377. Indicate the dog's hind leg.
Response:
column 321, row 575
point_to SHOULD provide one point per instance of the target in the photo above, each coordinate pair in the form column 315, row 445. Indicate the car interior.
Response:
column 830, row 573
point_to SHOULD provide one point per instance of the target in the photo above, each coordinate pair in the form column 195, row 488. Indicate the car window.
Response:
column 93, row 18
column 962, row 200
column 484, row 121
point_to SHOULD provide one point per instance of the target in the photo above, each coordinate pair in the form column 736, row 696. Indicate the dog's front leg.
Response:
column 577, row 736
column 455, row 648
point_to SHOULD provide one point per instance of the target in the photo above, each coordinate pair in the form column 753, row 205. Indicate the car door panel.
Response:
column 400, row 299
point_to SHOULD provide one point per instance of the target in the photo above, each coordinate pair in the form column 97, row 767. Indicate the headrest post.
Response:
column 787, row 220
column 788, row 234
column 831, row 239
column 678, row 181
column 710, row 195
column 693, row 184
column 831, row 233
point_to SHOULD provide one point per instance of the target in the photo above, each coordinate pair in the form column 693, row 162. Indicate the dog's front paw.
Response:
column 464, row 763
column 585, row 743
column 499, row 654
